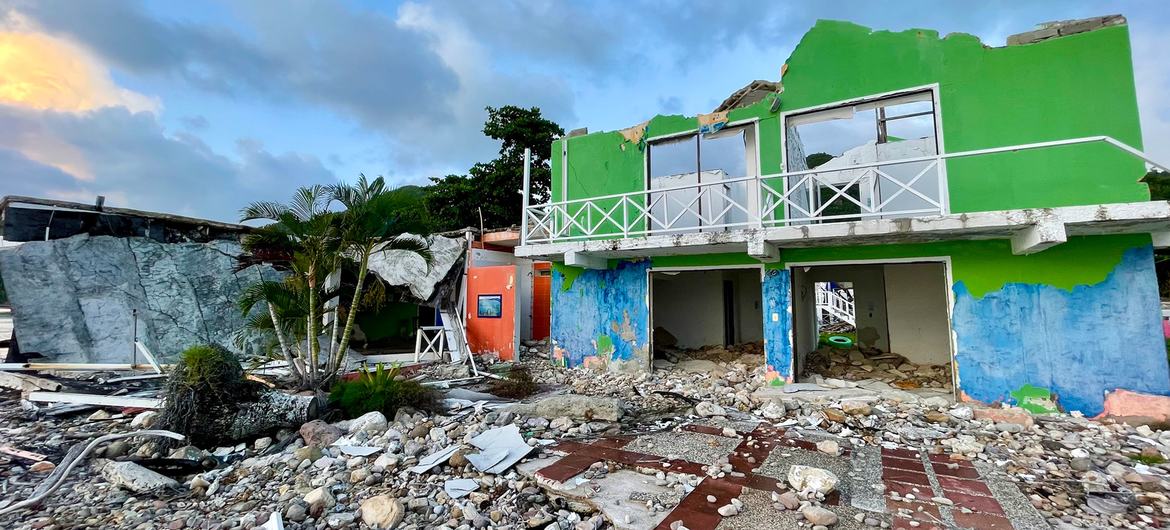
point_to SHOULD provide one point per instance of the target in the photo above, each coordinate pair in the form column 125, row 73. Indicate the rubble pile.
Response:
column 473, row 466
column 862, row 364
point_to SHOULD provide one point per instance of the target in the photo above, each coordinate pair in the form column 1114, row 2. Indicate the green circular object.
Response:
column 841, row 341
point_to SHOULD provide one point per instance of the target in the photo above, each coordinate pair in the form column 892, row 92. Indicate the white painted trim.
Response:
column 862, row 99
column 948, row 278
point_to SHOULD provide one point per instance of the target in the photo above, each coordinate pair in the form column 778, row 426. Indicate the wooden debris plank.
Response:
column 97, row 367
column 93, row 399
column 21, row 453
column 27, row 383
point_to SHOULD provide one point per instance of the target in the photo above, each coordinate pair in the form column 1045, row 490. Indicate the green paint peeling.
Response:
column 605, row 347
column 569, row 272
column 1035, row 400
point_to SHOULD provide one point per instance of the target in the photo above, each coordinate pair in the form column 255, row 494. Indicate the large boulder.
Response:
column 73, row 299
column 383, row 512
column 575, row 406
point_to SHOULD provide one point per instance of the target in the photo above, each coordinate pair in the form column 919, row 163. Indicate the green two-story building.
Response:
column 983, row 204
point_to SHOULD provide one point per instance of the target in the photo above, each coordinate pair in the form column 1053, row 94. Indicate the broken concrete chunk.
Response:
column 811, row 480
column 136, row 478
column 576, row 406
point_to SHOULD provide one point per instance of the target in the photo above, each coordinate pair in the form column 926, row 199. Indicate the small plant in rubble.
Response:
column 379, row 389
column 205, row 386
column 517, row 385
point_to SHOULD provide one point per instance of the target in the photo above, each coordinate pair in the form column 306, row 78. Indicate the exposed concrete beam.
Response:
column 1161, row 239
column 582, row 259
column 1045, row 234
column 763, row 250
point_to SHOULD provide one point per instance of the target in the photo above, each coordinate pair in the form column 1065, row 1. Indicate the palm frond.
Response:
column 263, row 210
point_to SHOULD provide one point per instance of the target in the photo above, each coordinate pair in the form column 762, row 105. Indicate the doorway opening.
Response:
column 877, row 326
column 703, row 317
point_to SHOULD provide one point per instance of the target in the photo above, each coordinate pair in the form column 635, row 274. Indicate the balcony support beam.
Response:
column 586, row 260
column 1046, row 233
column 763, row 250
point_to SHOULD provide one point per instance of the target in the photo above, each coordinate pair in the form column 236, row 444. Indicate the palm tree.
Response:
column 304, row 237
column 376, row 219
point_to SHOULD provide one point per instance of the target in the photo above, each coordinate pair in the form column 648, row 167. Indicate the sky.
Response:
column 198, row 108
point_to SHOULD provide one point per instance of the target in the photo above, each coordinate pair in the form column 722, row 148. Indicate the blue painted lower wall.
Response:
column 777, row 295
column 602, row 318
column 1079, row 344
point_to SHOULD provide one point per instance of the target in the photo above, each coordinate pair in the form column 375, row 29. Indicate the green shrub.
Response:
column 379, row 390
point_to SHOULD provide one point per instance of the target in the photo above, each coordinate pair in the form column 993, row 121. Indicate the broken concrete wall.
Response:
column 1078, row 344
column 600, row 318
column 1036, row 93
column 73, row 299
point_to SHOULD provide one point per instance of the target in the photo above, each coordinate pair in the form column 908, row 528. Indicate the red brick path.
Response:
column 902, row 470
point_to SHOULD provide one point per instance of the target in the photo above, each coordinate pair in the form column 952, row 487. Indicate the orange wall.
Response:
column 494, row 335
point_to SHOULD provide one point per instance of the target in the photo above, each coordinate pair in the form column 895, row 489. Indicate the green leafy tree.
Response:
column 494, row 187
column 817, row 159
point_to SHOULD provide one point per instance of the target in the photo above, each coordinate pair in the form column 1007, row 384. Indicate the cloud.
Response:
column 1152, row 78
column 396, row 74
column 42, row 72
column 137, row 164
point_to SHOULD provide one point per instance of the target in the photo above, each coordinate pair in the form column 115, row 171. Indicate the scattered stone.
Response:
column 319, row 433
column 382, row 511
column 829, row 447
column 370, row 422
column 708, row 409
column 819, row 516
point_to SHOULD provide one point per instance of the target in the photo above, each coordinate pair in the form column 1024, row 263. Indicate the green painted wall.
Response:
column 1069, row 87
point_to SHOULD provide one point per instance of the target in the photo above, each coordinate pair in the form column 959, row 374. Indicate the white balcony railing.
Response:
column 901, row 188
column 835, row 305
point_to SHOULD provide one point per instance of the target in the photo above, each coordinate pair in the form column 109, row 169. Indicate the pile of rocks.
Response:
column 872, row 365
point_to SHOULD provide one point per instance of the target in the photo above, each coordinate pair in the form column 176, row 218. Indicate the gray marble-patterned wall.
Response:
column 73, row 298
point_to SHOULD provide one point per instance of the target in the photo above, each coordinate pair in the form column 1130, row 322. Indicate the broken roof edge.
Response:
column 1041, row 31
column 16, row 200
